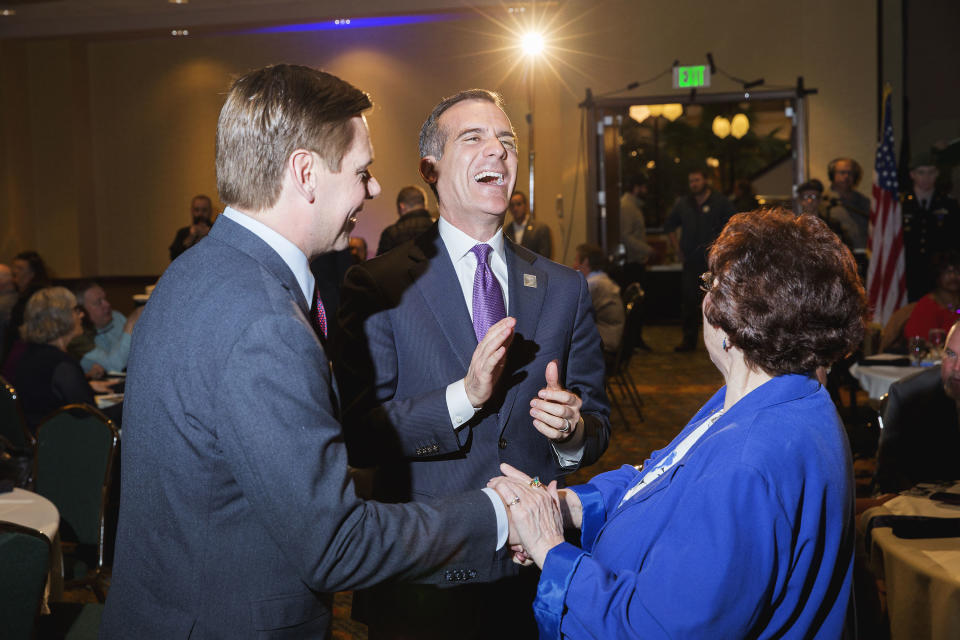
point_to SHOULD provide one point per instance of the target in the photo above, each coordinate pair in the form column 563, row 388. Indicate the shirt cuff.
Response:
column 503, row 525
column 569, row 454
column 458, row 404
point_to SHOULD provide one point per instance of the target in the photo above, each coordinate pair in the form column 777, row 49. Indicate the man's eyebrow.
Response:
column 472, row 130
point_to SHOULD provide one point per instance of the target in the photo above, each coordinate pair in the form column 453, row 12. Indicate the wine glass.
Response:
column 917, row 346
column 936, row 337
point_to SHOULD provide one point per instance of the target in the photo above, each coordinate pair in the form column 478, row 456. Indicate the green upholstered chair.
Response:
column 24, row 563
column 75, row 452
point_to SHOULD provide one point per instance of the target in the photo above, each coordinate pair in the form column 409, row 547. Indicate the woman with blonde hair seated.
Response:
column 46, row 377
column 742, row 527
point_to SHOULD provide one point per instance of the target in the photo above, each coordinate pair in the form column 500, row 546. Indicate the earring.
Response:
column 725, row 347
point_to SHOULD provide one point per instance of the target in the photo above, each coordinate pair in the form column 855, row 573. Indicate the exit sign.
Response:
column 691, row 77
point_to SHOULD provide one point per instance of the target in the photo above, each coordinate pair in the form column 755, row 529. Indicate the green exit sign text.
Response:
column 691, row 77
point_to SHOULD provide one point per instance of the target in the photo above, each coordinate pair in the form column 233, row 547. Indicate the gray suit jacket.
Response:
column 237, row 513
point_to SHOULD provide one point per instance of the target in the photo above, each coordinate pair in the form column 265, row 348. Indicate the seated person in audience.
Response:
column 604, row 294
column 939, row 308
column 201, row 216
column 29, row 276
column 46, row 377
column 920, row 441
column 105, row 343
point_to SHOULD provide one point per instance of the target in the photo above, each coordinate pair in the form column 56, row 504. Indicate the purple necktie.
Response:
column 321, row 314
column 488, row 306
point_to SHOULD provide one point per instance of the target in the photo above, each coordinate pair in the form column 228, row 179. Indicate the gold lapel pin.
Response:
column 529, row 280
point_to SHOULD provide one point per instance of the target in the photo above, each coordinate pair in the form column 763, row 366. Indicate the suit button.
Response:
column 503, row 443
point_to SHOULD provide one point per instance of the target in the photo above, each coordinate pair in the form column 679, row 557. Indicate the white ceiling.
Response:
column 125, row 18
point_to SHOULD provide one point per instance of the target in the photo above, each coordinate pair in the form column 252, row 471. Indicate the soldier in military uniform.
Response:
column 931, row 224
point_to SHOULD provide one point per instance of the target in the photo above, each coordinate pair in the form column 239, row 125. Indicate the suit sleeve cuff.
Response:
column 503, row 527
column 458, row 404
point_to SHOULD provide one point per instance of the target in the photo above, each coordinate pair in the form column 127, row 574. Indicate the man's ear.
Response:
column 428, row 169
column 302, row 167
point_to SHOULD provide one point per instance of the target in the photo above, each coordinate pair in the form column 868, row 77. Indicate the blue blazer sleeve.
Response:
column 713, row 572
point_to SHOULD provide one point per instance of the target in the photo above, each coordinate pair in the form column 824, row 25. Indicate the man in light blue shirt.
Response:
column 113, row 331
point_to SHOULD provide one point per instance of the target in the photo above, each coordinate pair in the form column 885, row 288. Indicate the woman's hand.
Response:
column 535, row 520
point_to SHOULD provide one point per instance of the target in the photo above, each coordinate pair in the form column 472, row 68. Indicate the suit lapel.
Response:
column 432, row 272
column 528, row 289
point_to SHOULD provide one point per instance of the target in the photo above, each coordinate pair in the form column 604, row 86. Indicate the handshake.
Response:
column 537, row 512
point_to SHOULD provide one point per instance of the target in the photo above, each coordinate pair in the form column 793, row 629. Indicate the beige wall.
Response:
column 115, row 136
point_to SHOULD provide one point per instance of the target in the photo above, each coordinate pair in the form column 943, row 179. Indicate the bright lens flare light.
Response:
column 532, row 44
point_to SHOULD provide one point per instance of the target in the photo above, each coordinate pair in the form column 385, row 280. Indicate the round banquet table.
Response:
column 32, row 510
column 922, row 576
column 876, row 379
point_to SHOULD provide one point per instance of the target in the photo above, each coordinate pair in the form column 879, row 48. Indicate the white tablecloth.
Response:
column 30, row 510
column 922, row 576
column 876, row 379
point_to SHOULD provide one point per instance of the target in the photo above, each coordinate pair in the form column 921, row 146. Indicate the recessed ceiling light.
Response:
column 180, row 32
column 178, row 1
column 8, row 12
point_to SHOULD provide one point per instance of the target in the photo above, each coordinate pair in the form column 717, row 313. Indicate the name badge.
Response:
column 529, row 280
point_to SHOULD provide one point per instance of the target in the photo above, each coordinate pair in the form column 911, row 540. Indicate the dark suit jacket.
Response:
column 536, row 237
column 920, row 441
column 406, row 334
column 237, row 512
column 408, row 227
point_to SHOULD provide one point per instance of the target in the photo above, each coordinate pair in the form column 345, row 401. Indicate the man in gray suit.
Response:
column 237, row 516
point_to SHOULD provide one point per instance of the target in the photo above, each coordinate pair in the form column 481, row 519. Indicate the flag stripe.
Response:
column 886, row 281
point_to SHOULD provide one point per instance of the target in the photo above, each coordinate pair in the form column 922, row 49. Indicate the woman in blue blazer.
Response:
column 742, row 527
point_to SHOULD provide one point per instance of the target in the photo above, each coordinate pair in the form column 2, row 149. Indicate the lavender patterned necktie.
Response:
column 488, row 308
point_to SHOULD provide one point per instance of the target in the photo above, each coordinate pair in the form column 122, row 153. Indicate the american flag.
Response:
column 886, row 284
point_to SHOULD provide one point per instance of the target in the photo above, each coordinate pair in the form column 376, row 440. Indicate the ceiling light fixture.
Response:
column 178, row 1
column 8, row 12
column 180, row 32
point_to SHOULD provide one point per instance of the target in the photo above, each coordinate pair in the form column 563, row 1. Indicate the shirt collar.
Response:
column 458, row 243
column 288, row 252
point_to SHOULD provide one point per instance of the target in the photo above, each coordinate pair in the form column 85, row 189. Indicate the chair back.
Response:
column 75, row 451
column 13, row 425
column 24, row 563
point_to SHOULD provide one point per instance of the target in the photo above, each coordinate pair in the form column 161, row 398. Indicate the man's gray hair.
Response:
column 432, row 138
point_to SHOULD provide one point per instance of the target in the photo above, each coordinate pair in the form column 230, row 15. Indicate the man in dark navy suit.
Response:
column 237, row 516
column 461, row 350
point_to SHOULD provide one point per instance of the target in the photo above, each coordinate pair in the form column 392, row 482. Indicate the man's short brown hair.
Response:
column 786, row 291
column 413, row 197
column 271, row 112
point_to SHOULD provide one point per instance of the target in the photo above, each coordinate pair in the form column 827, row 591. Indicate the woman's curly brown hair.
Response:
column 786, row 291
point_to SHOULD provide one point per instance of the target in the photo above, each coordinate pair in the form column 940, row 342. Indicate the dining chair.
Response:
column 24, row 563
column 617, row 371
column 75, row 452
